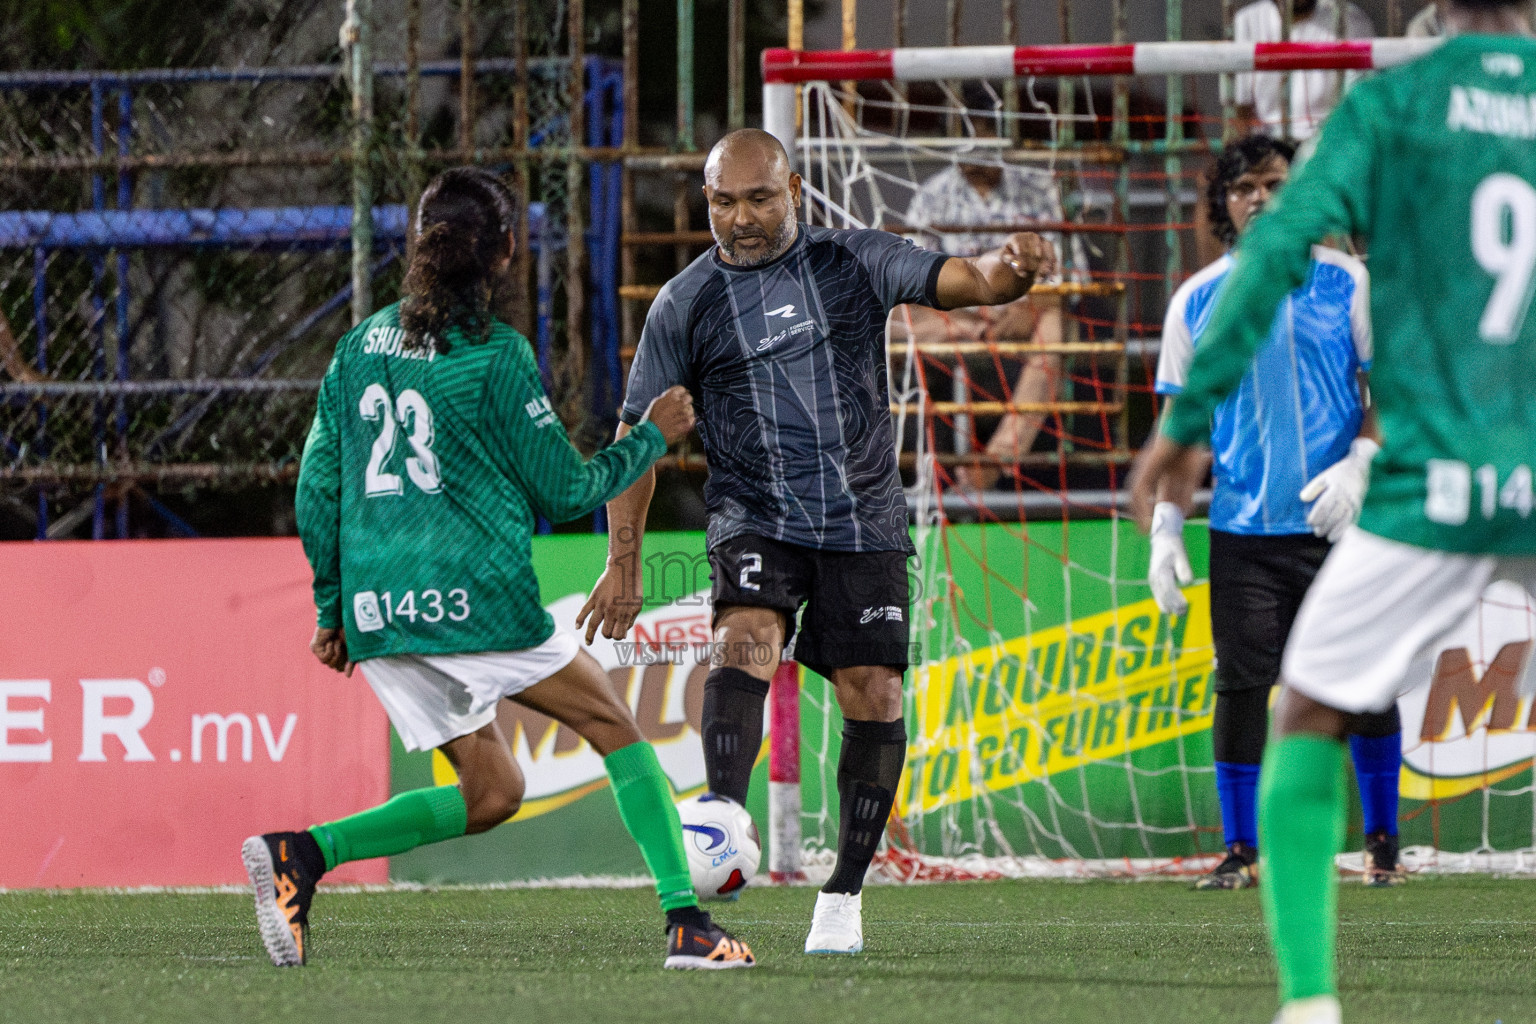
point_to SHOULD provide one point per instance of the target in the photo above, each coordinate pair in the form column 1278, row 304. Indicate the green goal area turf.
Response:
column 1441, row 950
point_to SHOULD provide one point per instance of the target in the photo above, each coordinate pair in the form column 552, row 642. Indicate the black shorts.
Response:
column 856, row 602
column 1257, row 584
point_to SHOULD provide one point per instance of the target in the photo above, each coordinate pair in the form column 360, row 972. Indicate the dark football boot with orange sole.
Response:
column 283, row 868
column 708, row 948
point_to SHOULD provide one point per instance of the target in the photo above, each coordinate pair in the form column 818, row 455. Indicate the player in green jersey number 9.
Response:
column 423, row 577
column 1432, row 164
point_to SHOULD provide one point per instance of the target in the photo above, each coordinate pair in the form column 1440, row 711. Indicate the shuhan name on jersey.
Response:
column 390, row 341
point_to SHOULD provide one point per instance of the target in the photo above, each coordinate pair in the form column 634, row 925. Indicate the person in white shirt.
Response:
column 1427, row 22
column 1313, row 93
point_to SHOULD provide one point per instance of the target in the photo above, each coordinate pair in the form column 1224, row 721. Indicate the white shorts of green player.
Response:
column 1378, row 613
column 449, row 703
column 434, row 698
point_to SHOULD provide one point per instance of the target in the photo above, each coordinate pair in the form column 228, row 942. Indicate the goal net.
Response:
column 1060, row 723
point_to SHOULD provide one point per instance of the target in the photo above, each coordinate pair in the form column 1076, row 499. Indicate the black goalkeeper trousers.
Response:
column 1257, row 586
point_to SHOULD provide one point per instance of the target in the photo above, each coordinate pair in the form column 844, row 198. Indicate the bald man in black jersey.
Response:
column 779, row 332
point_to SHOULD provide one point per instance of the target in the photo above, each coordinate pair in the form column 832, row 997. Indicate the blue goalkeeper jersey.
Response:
column 1299, row 405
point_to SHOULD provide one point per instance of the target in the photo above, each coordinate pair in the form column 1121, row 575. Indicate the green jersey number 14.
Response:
column 412, row 412
column 1504, row 244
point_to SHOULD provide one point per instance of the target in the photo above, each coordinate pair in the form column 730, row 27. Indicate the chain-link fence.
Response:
column 176, row 242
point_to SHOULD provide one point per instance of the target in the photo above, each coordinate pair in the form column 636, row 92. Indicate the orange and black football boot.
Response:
column 706, row 947
column 283, row 868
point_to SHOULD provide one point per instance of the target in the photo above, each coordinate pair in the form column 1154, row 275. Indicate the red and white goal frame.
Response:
column 783, row 70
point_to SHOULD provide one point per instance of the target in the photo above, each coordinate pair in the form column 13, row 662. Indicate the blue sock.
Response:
column 1238, row 787
column 1378, row 762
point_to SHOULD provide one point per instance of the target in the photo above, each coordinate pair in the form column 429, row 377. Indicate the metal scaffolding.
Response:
column 295, row 180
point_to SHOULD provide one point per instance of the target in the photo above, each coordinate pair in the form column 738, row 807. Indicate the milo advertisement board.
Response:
column 1055, row 712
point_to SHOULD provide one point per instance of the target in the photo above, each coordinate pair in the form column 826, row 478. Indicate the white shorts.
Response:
column 434, row 698
column 1378, row 611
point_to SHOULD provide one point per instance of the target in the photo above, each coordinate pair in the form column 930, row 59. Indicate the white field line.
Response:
column 817, row 865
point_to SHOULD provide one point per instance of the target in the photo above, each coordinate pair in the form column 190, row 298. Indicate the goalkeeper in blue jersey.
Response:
column 1290, row 466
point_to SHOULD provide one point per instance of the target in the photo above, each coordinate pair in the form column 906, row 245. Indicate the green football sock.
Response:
column 411, row 819
column 1301, row 830
column 645, row 803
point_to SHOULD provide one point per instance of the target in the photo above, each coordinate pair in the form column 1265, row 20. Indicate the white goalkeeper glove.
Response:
column 1338, row 491
column 1169, row 568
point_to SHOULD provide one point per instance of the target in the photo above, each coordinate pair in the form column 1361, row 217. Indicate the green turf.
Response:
column 1436, row 950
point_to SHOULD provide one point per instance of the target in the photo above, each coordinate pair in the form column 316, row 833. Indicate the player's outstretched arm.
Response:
column 618, row 594
column 997, row 277
column 317, row 505
column 537, row 454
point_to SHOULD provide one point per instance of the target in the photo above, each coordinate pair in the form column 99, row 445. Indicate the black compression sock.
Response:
column 690, row 917
column 733, row 730
column 868, row 773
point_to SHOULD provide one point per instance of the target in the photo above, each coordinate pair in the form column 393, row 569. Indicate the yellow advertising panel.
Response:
column 1054, row 700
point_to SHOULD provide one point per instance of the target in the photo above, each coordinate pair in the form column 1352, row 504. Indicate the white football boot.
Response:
column 837, row 926
column 1312, row 1010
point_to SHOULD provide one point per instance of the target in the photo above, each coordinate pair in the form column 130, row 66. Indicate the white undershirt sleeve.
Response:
column 1178, row 346
column 1360, row 318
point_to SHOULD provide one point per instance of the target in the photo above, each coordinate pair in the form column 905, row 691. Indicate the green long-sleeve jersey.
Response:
column 1433, row 164
column 419, row 485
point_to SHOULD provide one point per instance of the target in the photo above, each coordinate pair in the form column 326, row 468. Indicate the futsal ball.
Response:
column 722, row 844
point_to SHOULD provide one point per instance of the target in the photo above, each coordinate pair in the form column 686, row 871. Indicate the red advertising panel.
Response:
column 158, row 704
